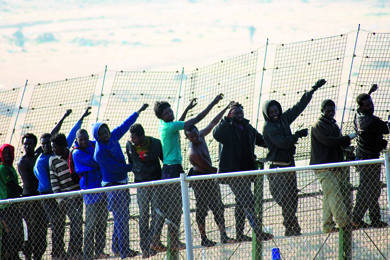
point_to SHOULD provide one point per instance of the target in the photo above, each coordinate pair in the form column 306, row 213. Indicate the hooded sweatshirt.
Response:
column 89, row 170
column 7, row 173
column 41, row 168
column 109, row 155
column 277, row 135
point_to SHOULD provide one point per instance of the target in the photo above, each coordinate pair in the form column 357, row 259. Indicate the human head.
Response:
column 328, row 108
column 237, row 113
column 137, row 134
column 192, row 133
column 45, row 143
column 163, row 111
column 7, row 154
column 364, row 102
column 273, row 111
column 59, row 144
column 104, row 133
column 82, row 138
column 29, row 142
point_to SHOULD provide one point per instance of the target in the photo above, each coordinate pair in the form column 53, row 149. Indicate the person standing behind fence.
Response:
column 326, row 147
column 109, row 155
column 96, row 203
column 145, row 153
column 170, row 204
column 237, row 153
column 281, row 149
column 10, row 215
column 42, row 172
column 370, row 143
column 32, row 211
column 207, row 192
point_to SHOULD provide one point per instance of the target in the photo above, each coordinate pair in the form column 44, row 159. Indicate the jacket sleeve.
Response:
column 220, row 131
column 55, row 184
column 278, row 139
column 111, row 165
column 292, row 113
column 259, row 138
column 379, row 127
column 122, row 129
column 84, row 162
column 325, row 138
column 128, row 151
column 72, row 134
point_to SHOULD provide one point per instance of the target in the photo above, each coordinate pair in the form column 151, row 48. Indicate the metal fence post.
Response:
column 257, row 246
column 387, row 167
column 345, row 237
column 187, row 216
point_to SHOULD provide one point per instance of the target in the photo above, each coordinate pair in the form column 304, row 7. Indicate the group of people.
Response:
column 51, row 168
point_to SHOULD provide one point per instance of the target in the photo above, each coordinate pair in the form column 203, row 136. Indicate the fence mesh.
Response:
column 7, row 105
column 297, row 67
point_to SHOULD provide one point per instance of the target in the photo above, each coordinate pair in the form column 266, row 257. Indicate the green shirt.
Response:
column 7, row 173
column 170, row 141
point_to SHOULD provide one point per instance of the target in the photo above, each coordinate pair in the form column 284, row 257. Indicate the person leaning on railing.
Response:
column 370, row 143
column 280, row 143
column 10, row 215
column 326, row 147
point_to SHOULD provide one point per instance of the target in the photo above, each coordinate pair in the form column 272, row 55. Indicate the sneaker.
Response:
column 264, row 236
column 178, row 246
column 227, row 240
column 360, row 224
column 243, row 238
column 145, row 254
column 153, row 252
column 350, row 227
column 102, row 255
column 292, row 231
column 132, row 254
column 207, row 242
column 379, row 224
column 158, row 247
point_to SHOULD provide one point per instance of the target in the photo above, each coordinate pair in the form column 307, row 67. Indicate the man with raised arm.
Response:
column 170, row 205
column 32, row 211
column 109, row 155
column 145, row 153
column 96, row 212
column 207, row 192
column 326, row 147
column 280, row 143
column 42, row 172
column 237, row 140
column 370, row 143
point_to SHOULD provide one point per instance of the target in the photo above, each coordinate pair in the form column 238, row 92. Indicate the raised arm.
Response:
column 216, row 120
column 57, row 128
column 188, row 108
column 72, row 134
column 204, row 113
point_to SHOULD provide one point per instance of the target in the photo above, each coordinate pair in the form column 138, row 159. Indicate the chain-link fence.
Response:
column 308, row 210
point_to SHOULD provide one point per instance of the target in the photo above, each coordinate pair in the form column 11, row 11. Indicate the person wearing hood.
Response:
column 96, row 212
column 32, row 211
column 237, row 140
column 56, row 215
column 109, row 155
column 12, row 239
column 170, row 203
column 326, row 147
column 280, row 143
column 370, row 143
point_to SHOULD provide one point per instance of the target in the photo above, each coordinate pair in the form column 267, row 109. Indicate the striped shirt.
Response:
column 60, row 177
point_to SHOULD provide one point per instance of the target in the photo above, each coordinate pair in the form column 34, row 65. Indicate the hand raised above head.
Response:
column 192, row 103
column 319, row 84
column 143, row 107
column 68, row 112
column 86, row 112
column 218, row 98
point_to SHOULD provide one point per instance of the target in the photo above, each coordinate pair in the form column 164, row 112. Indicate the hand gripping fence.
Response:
column 222, row 214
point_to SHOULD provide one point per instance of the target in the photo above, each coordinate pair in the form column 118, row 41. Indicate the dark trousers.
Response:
column 368, row 193
column 245, row 203
column 57, row 219
column 284, row 190
column 12, row 235
column 147, row 198
column 170, row 202
column 74, row 210
column 36, row 220
column 208, row 197
column 95, row 229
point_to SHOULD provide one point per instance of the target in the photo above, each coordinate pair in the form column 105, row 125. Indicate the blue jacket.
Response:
column 41, row 168
column 110, row 155
column 89, row 170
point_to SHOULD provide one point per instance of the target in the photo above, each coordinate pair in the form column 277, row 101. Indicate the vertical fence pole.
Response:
column 387, row 167
column 178, row 97
column 17, row 115
column 349, row 79
column 345, row 237
column 187, row 216
column 101, row 93
column 261, row 84
column 257, row 246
